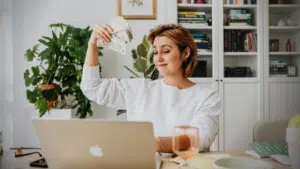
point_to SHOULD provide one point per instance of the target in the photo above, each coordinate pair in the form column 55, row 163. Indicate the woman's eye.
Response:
column 166, row 51
column 154, row 53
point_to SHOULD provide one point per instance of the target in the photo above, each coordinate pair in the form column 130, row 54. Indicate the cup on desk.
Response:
column 293, row 140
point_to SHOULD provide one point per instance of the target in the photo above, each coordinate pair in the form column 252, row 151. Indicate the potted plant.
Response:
column 293, row 140
column 54, row 80
column 142, row 63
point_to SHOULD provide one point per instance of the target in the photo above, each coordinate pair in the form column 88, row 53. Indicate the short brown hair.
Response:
column 183, row 39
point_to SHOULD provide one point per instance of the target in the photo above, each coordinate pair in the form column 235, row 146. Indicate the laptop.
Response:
column 94, row 144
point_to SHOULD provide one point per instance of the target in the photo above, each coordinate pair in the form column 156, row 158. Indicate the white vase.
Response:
column 293, row 140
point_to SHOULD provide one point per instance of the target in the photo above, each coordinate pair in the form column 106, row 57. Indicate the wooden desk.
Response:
column 202, row 160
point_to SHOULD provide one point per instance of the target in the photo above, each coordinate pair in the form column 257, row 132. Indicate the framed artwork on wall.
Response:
column 137, row 9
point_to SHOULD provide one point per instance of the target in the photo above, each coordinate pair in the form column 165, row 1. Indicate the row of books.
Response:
column 240, row 41
column 239, row 17
column 194, row 1
column 240, row 2
column 203, row 42
column 278, row 66
column 192, row 18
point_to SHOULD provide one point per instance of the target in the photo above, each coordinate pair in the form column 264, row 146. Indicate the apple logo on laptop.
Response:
column 96, row 151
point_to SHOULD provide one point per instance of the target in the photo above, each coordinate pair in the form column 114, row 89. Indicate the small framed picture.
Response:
column 137, row 9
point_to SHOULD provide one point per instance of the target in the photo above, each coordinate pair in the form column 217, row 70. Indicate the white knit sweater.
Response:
column 163, row 105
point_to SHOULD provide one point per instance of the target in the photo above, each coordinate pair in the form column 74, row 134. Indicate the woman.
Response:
column 167, row 102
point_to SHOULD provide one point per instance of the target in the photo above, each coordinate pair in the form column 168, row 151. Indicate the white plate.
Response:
column 241, row 163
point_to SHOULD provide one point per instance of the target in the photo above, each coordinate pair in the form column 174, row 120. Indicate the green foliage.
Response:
column 60, row 59
column 143, row 61
column 295, row 121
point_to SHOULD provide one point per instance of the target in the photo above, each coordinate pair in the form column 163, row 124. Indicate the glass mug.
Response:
column 185, row 142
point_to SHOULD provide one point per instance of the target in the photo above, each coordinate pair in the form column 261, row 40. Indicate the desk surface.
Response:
column 203, row 160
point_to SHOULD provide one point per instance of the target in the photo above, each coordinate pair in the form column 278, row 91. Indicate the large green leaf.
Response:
column 32, row 95
column 134, row 54
column 146, row 42
column 119, row 112
column 42, row 105
column 48, row 44
column 26, row 74
column 154, row 75
column 28, row 80
column 54, row 37
column 151, row 57
column 140, row 64
column 142, row 50
column 35, row 70
column 149, row 70
column 47, row 38
column 30, row 53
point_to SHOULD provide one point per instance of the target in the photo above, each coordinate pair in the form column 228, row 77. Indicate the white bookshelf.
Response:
column 284, row 28
column 194, row 6
column 283, row 8
column 281, row 92
column 249, row 6
column 205, row 53
column 284, row 53
column 240, row 27
column 247, row 100
column 276, row 12
column 209, row 30
column 196, row 26
column 242, row 80
column 284, row 79
column 240, row 53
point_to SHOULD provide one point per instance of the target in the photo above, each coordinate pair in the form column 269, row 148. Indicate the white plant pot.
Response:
column 293, row 140
column 55, row 114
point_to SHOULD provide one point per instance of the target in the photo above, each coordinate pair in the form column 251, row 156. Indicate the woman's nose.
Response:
column 159, row 57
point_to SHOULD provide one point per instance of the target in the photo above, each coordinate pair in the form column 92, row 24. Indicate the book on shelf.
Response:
column 203, row 42
column 239, row 17
column 278, row 67
column 239, row 2
column 267, row 149
column 240, row 41
column 183, row 14
column 187, row 17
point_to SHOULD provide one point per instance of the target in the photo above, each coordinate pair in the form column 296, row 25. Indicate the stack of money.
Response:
column 121, row 35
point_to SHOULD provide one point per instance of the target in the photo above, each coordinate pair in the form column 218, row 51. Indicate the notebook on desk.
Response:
column 267, row 149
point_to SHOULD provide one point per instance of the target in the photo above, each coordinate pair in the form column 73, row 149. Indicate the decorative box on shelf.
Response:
column 278, row 67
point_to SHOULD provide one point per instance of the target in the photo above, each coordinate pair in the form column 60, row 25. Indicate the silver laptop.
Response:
column 95, row 144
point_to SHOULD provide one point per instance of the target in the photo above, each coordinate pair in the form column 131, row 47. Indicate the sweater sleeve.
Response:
column 109, row 92
column 206, row 119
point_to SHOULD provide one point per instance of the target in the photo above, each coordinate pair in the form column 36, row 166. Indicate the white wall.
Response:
column 7, row 74
column 30, row 20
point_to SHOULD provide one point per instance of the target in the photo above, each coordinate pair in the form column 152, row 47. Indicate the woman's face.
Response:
column 166, row 56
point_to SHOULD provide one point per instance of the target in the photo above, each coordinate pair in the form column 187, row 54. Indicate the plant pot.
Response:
column 293, row 140
column 54, row 114
column 48, row 91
